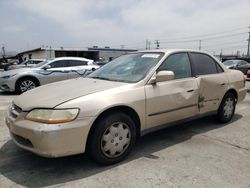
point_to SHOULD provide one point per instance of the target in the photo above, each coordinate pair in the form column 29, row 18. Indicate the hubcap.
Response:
column 27, row 85
column 228, row 107
column 116, row 139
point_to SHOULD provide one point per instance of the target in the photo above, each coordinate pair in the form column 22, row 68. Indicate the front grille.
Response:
column 15, row 111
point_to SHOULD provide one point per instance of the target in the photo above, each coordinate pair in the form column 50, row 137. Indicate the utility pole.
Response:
column 3, row 50
column 221, row 51
column 199, row 44
column 157, row 42
column 248, row 46
column 147, row 44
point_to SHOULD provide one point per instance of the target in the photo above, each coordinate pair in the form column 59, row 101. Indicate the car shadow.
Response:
column 29, row 170
column 7, row 93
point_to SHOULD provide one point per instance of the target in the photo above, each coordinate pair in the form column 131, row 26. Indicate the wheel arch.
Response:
column 122, row 108
column 27, row 76
column 234, row 92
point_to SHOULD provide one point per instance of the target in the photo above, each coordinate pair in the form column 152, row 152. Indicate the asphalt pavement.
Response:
column 200, row 153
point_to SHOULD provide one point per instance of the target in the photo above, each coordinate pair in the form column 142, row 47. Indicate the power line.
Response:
column 248, row 46
column 225, row 43
column 208, row 38
column 205, row 35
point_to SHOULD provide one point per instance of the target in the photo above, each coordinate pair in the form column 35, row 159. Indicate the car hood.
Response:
column 14, row 71
column 51, row 95
column 20, row 66
column 229, row 66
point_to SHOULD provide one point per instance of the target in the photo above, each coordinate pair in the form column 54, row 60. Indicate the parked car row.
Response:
column 104, row 113
column 23, row 78
column 237, row 64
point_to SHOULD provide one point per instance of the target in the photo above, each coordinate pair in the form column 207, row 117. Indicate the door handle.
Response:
column 223, row 84
column 191, row 90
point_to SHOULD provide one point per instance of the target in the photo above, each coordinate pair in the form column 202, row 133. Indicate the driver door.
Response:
column 173, row 100
column 58, row 71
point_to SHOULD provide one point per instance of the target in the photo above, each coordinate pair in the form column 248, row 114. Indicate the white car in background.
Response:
column 24, row 79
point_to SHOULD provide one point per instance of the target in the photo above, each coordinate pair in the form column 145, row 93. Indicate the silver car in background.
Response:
column 24, row 79
column 27, row 63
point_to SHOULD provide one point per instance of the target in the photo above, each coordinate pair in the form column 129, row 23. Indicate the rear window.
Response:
column 73, row 63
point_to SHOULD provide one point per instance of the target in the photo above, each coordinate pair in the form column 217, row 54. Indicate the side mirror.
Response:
column 93, row 69
column 46, row 67
column 162, row 76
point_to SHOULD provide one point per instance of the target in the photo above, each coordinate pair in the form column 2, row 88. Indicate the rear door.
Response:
column 211, row 79
column 77, row 68
column 243, row 66
column 172, row 100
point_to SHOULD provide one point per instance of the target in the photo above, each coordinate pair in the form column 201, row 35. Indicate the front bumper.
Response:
column 49, row 140
column 7, row 84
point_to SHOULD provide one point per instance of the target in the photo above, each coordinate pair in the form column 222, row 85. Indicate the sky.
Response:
column 216, row 25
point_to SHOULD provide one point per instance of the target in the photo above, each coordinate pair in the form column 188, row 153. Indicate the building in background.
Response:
column 93, row 53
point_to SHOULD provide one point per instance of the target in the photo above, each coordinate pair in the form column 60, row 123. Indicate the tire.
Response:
column 227, row 108
column 26, row 84
column 112, row 138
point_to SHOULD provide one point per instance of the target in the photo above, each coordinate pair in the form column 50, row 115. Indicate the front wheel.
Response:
column 112, row 139
column 227, row 107
column 26, row 84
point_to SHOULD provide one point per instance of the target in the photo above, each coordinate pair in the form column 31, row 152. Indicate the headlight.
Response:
column 52, row 116
column 8, row 76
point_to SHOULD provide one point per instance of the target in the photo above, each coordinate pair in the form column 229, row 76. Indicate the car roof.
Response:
column 35, row 59
column 174, row 50
column 72, row 58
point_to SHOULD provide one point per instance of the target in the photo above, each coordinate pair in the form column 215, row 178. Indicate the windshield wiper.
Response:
column 100, row 78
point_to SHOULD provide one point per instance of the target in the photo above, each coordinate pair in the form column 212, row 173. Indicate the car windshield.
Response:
column 41, row 64
column 231, row 62
column 128, row 68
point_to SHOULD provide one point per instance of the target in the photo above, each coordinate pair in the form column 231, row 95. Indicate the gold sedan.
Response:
column 131, row 96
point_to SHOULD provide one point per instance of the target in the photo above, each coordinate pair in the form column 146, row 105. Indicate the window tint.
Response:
column 202, row 64
column 179, row 64
column 73, row 63
column 60, row 63
column 219, row 69
column 243, row 63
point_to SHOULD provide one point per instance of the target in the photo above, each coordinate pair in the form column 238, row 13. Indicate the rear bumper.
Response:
column 242, row 94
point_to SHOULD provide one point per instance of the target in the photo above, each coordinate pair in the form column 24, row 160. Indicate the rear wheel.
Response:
column 26, row 84
column 227, row 108
column 112, row 139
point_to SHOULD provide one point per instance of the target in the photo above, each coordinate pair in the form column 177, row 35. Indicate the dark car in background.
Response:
column 237, row 64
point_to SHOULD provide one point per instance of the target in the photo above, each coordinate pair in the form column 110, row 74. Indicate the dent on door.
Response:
column 211, row 91
column 171, row 101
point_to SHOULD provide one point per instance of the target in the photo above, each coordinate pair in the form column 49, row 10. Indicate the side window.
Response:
column 202, row 64
column 178, row 63
column 243, row 63
column 219, row 69
column 73, row 63
column 58, row 64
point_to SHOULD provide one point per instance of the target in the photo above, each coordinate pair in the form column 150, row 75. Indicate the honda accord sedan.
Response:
column 131, row 96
